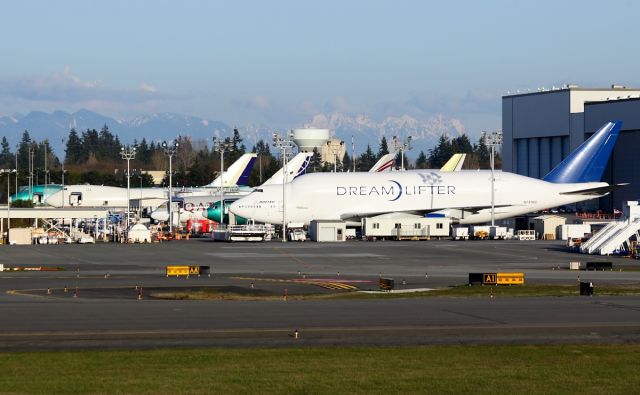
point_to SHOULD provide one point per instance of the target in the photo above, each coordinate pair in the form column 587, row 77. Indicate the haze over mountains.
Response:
column 165, row 126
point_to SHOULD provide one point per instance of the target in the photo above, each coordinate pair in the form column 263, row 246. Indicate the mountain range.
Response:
column 165, row 126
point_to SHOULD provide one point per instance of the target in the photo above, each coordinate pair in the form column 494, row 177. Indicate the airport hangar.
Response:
column 541, row 128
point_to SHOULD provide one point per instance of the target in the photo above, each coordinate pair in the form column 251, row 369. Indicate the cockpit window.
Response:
column 258, row 190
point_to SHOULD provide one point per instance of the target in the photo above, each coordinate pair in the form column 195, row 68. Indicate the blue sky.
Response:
column 281, row 62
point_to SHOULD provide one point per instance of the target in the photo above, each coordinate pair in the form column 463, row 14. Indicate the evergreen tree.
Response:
column 73, row 152
column 441, row 153
column 236, row 140
column 315, row 165
column 483, row 154
column 422, row 162
column 367, row 159
column 144, row 152
column 261, row 148
column 461, row 145
column 90, row 145
column 6, row 157
column 347, row 163
column 108, row 147
column 384, row 148
column 24, row 151
column 238, row 147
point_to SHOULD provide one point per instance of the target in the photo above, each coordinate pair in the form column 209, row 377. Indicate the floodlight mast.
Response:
column 222, row 146
column 492, row 140
column 8, row 173
column 283, row 144
column 128, row 152
column 170, row 149
column 402, row 146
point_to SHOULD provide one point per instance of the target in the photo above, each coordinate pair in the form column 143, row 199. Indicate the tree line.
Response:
column 94, row 157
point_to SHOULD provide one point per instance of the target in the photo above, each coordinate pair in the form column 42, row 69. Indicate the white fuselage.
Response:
column 101, row 196
column 351, row 196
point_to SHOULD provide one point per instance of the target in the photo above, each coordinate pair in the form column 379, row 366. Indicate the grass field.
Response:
column 456, row 291
column 552, row 369
column 503, row 290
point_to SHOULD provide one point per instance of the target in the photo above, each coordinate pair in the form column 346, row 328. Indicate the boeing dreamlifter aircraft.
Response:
column 384, row 164
column 465, row 195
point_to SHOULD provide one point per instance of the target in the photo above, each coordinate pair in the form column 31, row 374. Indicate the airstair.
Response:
column 616, row 236
column 600, row 237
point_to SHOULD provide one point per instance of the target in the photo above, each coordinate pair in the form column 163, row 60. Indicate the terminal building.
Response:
column 541, row 128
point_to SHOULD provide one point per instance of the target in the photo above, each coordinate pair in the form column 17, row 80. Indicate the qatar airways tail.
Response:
column 465, row 194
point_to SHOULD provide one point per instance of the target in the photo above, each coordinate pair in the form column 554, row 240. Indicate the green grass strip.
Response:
column 500, row 291
column 549, row 369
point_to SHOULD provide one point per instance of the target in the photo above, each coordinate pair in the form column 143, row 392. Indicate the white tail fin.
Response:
column 384, row 164
column 296, row 166
column 454, row 163
column 237, row 173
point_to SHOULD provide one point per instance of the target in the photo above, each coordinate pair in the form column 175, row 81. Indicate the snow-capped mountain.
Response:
column 166, row 126
column 367, row 131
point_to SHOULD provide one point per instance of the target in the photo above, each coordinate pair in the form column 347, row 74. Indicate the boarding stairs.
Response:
column 616, row 237
column 599, row 237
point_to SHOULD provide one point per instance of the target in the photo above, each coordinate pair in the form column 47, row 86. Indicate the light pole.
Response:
column 31, row 154
column 16, row 169
column 402, row 146
column 492, row 140
column 284, row 144
column 46, row 170
column 8, row 173
column 170, row 150
column 353, row 153
column 62, row 176
column 221, row 146
column 128, row 153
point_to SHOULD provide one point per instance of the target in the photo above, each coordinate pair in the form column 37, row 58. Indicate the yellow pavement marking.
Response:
column 323, row 284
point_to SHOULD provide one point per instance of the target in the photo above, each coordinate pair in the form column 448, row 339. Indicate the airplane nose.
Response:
column 236, row 209
column 213, row 214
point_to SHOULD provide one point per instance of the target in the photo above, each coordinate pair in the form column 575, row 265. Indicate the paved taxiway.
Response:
column 102, row 317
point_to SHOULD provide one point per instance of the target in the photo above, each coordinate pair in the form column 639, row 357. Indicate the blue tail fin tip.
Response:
column 244, row 177
column 588, row 161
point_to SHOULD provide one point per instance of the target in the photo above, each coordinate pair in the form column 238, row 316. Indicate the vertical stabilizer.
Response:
column 588, row 161
column 454, row 163
column 383, row 164
column 238, row 173
column 295, row 167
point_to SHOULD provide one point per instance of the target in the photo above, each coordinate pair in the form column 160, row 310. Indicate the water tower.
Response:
column 308, row 139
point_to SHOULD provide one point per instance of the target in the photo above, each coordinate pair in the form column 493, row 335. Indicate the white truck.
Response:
column 460, row 233
column 497, row 232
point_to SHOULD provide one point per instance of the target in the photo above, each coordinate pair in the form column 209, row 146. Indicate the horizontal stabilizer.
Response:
column 598, row 191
